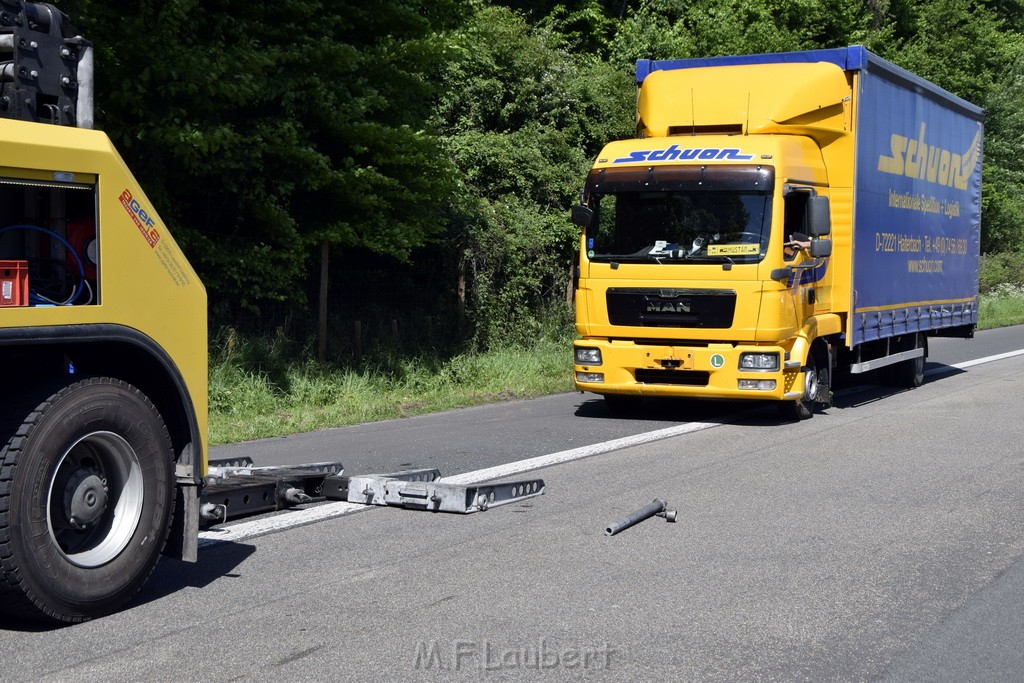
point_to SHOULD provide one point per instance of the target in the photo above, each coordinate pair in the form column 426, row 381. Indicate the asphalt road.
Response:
column 882, row 540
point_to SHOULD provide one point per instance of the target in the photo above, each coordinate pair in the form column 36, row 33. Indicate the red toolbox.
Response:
column 13, row 283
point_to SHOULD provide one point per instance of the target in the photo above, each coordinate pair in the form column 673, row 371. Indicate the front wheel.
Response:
column 86, row 495
column 817, row 390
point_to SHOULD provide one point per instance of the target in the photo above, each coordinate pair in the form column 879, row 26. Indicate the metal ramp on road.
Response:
column 235, row 488
column 422, row 490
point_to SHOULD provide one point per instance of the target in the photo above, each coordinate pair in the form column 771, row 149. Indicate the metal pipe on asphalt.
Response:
column 658, row 507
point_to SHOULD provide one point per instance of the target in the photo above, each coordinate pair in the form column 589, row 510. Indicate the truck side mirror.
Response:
column 582, row 215
column 821, row 248
column 819, row 221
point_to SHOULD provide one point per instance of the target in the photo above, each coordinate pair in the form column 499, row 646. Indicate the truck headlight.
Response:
column 759, row 361
column 587, row 356
column 590, row 377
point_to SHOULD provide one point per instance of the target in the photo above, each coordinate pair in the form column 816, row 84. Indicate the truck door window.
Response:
column 48, row 232
column 794, row 218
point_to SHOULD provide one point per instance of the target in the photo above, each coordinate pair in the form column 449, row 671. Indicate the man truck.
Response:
column 780, row 221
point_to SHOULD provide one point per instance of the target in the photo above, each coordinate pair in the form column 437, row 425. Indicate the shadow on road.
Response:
column 12, row 624
column 215, row 562
column 663, row 409
column 170, row 576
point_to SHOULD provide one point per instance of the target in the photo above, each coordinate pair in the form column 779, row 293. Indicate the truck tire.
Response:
column 909, row 374
column 816, row 386
column 86, row 496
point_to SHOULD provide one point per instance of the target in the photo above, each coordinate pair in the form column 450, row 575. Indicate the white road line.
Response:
column 988, row 359
column 509, row 469
column 258, row 527
column 246, row 530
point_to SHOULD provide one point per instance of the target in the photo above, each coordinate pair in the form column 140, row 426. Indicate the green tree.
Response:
column 965, row 47
column 521, row 119
column 678, row 29
column 262, row 130
column 957, row 44
column 1002, row 197
column 268, row 134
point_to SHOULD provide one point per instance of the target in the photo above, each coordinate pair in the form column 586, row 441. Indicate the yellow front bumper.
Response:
column 710, row 371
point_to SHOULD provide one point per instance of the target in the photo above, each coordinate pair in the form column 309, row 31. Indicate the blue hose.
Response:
column 53, row 235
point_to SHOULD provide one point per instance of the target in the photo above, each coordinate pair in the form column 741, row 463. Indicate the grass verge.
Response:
column 1001, row 307
column 251, row 405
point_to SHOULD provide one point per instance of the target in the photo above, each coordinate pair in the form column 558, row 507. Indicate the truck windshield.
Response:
column 686, row 216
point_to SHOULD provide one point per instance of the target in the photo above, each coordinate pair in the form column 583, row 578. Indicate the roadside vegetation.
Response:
column 258, row 389
column 1001, row 283
column 290, row 397
column 1001, row 307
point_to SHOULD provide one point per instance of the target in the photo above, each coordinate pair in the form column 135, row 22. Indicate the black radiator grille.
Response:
column 692, row 378
column 694, row 308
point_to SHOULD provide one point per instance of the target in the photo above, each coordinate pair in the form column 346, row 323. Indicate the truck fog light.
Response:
column 758, row 384
column 590, row 377
column 587, row 356
column 759, row 361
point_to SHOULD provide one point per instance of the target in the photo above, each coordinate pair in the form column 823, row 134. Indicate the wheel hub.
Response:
column 810, row 384
column 85, row 498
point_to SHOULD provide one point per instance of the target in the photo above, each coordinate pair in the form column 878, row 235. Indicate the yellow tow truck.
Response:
column 103, row 343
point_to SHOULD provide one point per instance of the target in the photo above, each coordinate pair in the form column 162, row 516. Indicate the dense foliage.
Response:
column 262, row 129
column 435, row 146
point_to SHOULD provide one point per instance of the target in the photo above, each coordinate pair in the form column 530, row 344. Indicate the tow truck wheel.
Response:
column 86, row 494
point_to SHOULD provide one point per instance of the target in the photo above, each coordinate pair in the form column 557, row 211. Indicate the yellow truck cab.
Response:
column 778, row 218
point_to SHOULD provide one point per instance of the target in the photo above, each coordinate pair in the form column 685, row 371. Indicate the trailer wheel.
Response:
column 86, row 496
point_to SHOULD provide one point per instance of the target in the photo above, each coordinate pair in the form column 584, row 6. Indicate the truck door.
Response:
column 811, row 283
